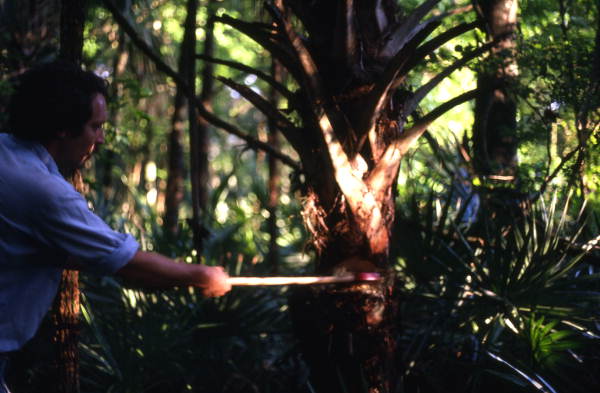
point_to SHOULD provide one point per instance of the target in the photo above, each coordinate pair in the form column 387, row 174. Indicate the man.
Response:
column 56, row 115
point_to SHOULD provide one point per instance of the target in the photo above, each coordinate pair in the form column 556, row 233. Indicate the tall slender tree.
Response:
column 175, row 187
column 273, row 182
column 66, row 310
column 199, row 135
column 495, row 127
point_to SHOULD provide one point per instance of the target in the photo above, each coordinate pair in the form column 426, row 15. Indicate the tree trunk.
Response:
column 104, row 173
column 346, row 121
column 494, row 130
column 65, row 314
column 274, row 177
column 584, row 126
column 29, row 31
column 199, row 137
column 175, row 188
column 351, row 164
column 66, row 320
column 72, row 18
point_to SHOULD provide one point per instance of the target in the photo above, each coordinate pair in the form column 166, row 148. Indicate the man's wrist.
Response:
column 200, row 275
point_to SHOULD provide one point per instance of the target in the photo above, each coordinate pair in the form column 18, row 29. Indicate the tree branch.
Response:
column 377, row 95
column 210, row 117
column 259, row 102
column 426, row 88
column 435, row 43
column 384, row 173
column 406, row 30
column 271, row 112
column 266, row 38
column 401, row 64
column 308, row 68
column 281, row 89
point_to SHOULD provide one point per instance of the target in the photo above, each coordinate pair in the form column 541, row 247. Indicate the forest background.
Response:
column 492, row 255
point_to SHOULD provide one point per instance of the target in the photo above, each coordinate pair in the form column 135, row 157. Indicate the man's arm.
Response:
column 153, row 270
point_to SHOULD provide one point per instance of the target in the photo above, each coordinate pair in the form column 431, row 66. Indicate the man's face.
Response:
column 75, row 151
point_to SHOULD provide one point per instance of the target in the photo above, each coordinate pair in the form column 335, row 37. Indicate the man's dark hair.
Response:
column 51, row 98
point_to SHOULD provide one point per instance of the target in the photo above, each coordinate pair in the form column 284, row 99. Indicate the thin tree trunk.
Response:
column 273, row 185
column 582, row 125
column 72, row 18
column 175, row 185
column 120, row 61
column 199, row 137
column 65, row 314
column 494, row 130
column 65, row 318
column 182, row 112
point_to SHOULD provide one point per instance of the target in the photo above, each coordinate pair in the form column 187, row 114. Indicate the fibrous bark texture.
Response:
column 350, row 123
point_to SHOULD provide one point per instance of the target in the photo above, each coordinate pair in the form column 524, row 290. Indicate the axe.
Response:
column 305, row 280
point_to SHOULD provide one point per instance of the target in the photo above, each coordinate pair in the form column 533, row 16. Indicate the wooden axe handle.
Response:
column 301, row 280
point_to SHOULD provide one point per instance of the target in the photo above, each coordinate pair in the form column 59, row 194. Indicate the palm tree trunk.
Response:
column 349, row 109
column 353, row 68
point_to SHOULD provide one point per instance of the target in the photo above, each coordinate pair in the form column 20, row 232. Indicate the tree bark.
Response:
column 353, row 149
column 494, row 130
column 65, row 314
column 65, row 317
column 72, row 18
column 175, row 187
column 199, row 138
column 349, row 114
column 29, row 31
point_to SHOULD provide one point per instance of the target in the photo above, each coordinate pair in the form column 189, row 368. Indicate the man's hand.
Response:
column 213, row 280
column 153, row 270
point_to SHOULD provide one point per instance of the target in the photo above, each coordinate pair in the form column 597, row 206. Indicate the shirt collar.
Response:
column 41, row 152
column 46, row 158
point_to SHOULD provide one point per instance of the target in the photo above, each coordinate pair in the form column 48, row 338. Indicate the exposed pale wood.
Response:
column 283, row 280
column 304, row 280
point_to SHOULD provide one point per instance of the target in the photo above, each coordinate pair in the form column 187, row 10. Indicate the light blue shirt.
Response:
column 43, row 220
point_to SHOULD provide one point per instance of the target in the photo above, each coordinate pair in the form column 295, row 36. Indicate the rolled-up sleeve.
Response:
column 64, row 222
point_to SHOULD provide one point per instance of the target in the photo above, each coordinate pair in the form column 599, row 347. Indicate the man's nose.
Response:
column 100, row 137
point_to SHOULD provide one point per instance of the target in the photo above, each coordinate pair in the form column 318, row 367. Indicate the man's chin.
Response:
column 85, row 159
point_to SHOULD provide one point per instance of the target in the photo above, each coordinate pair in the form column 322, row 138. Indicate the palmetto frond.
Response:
column 510, row 298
